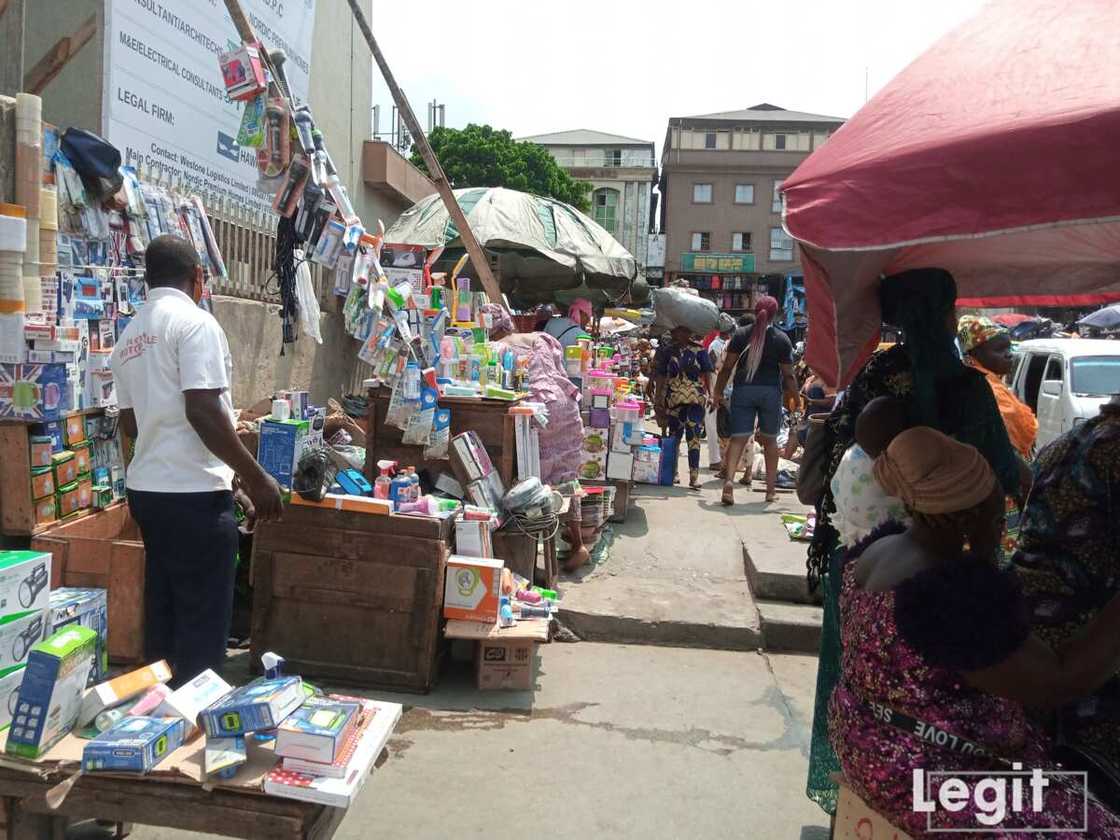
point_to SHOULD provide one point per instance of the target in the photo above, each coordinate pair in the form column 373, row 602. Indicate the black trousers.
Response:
column 190, row 546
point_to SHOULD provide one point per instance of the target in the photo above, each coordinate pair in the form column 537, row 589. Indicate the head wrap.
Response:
column 500, row 321
column 974, row 330
column 932, row 473
column 765, row 309
column 920, row 302
column 580, row 305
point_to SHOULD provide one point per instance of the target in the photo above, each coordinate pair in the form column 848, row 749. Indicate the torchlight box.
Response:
column 262, row 704
column 133, row 745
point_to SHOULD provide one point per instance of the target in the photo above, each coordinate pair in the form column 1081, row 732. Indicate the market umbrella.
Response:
column 993, row 155
column 1013, row 319
column 1104, row 319
column 542, row 246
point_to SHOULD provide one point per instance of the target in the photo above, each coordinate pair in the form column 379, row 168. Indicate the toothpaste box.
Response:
column 10, row 679
column 18, row 634
column 134, row 744
column 191, row 698
column 262, row 704
column 317, row 730
column 88, row 608
column 24, row 581
column 50, row 695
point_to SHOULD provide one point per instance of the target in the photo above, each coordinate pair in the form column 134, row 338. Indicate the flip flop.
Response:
column 728, row 497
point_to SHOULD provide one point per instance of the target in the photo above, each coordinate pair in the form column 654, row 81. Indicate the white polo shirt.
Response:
column 172, row 346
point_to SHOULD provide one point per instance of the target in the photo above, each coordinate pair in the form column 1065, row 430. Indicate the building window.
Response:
column 605, row 210
column 781, row 246
column 613, row 157
column 776, row 200
column 780, row 142
column 710, row 140
column 701, row 241
column 701, row 193
column 744, row 193
column 740, row 242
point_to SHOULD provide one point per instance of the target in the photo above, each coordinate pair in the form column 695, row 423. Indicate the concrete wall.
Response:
column 73, row 97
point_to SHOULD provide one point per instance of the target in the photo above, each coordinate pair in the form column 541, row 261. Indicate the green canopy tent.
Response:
column 544, row 251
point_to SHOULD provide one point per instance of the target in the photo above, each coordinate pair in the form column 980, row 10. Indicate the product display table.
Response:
column 157, row 801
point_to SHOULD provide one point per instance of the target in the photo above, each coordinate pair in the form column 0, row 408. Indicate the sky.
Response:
column 627, row 66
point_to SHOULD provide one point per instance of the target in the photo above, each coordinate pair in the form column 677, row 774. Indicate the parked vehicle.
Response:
column 1063, row 380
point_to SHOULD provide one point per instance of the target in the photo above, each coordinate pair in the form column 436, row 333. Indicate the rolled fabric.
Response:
column 932, row 473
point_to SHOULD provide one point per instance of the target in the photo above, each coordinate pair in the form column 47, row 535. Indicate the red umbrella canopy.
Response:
column 993, row 155
column 1012, row 319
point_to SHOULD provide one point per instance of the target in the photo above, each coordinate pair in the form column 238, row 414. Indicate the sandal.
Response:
column 771, row 498
column 746, row 481
column 728, row 497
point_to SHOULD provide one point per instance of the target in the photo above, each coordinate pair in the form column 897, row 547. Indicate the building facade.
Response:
column 622, row 172
column 721, row 209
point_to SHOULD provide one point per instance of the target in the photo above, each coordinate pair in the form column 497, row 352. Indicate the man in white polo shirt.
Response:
column 172, row 370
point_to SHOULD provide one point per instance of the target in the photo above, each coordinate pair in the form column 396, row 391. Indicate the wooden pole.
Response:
column 11, row 46
column 474, row 249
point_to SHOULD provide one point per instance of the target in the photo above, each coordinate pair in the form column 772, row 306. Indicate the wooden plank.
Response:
column 7, row 148
column 17, row 511
column 58, row 56
column 12, row 14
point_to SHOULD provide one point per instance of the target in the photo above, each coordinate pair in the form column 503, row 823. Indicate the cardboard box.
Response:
column 223, row 757
column 75, row 430
column 10, row 679
column 280, row 447
column 50, row 695
column 102, row 496
column 68, row 499
column 191, row 698
column 507, row 664
column 592, row 465
column 620, row 465
column 24, row 581
column 317, row 730
column 472, row 588
column 85, row 492
column 87, row 608
column 133, row 745
column 357, row 504
column 472, row 538
column 46, row 511
column 262, row 704
column 42, row 447
column 83, row 456
column 42, row 483
column 65, row 468
column 33, row 392
column 119, row 689
column 599, row 418
column 19, row 633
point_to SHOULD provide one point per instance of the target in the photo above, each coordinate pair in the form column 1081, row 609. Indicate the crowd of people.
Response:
column 969, row 583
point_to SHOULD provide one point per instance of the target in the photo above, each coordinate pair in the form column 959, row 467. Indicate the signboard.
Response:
column 711, row 263
column 164, row 100
column 655, row 250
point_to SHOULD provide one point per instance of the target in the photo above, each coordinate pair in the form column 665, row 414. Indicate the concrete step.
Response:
column 790, row 627
column 775, row 564
column 709, row 613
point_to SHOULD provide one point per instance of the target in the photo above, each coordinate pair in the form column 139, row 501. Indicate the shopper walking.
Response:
column 759, row 360
column 711, row 427
column 682, row 373
column 172, row 370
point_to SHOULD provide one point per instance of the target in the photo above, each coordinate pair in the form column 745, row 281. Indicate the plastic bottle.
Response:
column 505, row 613
column 412, row 381
column 383, row 483
column 414, row 485
column 399, row 489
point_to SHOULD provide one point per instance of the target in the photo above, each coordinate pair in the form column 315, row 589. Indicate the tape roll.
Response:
column 48, row 208
column 33, row 293
column 13, row 233
column 48, row 246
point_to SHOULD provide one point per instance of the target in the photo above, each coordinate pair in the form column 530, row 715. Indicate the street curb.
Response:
column 770, row 584
column 593, row 627
column 791, row 627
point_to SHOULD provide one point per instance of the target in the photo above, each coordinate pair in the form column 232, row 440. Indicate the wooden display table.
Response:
column 352, row 597
column 489, row 418
column 155, row 801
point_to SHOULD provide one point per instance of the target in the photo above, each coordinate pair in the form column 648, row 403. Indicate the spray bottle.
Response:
column 383, row 483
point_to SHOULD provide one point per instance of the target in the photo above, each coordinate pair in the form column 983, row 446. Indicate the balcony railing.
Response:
column 606, row 161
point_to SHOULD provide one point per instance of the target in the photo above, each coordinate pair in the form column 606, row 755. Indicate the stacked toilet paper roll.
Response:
column 29, row 186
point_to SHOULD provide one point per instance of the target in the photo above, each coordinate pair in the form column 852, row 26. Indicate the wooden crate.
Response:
column 490, row 418
column 352, row 597
column 104, row 550
column 17, row 509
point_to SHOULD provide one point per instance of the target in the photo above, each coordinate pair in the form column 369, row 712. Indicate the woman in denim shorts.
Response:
column 759, row 360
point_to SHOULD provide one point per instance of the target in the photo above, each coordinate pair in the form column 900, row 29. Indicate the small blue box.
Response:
column 134, row 744
column 262, row 704
column 280, row 447
column 353, row 483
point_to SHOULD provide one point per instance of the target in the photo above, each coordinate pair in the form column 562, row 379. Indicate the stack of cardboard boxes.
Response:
column 24, row 618
column 73, row 468
column 283, row 440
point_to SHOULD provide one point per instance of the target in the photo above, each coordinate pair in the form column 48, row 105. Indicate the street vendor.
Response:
column 172, row 370
column 566, row 330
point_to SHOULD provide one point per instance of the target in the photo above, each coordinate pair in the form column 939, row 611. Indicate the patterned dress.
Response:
column 1069, row 560
column 683, row 366
column 905, row 649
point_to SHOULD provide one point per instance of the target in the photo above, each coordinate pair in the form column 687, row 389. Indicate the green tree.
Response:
column 481, row 156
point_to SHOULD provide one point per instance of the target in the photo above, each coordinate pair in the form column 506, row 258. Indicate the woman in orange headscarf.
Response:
column 987, row 347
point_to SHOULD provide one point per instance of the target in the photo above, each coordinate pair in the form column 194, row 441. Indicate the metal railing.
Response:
column 606, row 161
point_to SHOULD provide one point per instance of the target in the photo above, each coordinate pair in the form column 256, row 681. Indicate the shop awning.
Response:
column 993, row 155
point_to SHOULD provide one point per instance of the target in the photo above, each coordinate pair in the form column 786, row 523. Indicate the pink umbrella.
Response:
column 993, row 155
